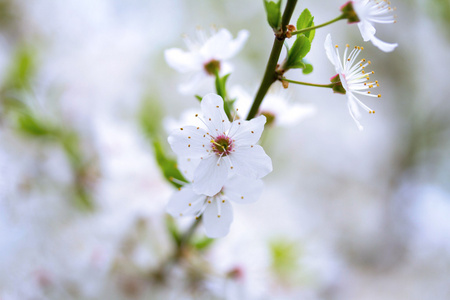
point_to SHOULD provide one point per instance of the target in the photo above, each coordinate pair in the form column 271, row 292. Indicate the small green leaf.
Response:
column 173, row 230
column 308, row 68
column 168, row 165
column 306, row 20
column 198, row 97
column 150, row 119
column 203, row 243
column 273, row 11
column 30, row 124
column 299, row 49
column 21, row 70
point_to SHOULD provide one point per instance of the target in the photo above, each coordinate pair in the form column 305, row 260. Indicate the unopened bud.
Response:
column 212, row 67
column 288, row 34
column 285, row 84
column 349, row 12
column 291, row 28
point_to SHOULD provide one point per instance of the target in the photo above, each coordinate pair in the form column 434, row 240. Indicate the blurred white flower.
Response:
column 217, row 211
column 205, row 56
column 353, row 76
column 221, row 148
column 370, row 12
column 276, row 106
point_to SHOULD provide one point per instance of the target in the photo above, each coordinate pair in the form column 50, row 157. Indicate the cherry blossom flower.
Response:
column 277, row 107
column 353, row 76
column 220, row 148
column 205, row 56
column 370, row 12
column 216, row 210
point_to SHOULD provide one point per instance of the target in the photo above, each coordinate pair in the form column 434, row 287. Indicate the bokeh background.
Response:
column 344, row 215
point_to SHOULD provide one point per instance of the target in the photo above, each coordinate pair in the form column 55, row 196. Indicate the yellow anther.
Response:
column 347, row 45
column 379, row 95
column 223, row 201
column 209, row 201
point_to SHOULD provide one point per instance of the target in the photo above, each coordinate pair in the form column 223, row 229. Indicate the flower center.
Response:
column 212, row 67
column 222, row 145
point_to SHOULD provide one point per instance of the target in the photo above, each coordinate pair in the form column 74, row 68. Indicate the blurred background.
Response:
column 345, row 214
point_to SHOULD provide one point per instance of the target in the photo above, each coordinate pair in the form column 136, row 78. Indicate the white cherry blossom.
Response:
column 220, row 148
column 216, row 210
column 370, row 12
column 353, row 76
column 204, row 55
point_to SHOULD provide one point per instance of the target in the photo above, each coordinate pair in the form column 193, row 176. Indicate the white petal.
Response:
column 188, row 142
column 187, row 166
column 383, row 46
column 179, row 202
column 247, row 132
column 243, row 189
column 330, row 50
column 367, row 30
column 183, row 61
column 251, row 162
column 216, row 226
column 354, row 112
column 221, row 45
column 210, row 175
column 214, row 114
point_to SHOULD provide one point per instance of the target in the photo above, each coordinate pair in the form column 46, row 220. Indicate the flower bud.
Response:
column 349, row 13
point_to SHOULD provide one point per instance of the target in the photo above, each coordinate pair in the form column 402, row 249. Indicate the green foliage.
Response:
column 150, row 120
column 221, row 83
column 30, row 124
column 21, row 70
column 173, row 230
column 306, row 20
column 203, row 243
column 298, row 51
column 308, row 68
column 285, row 256
column 273, row 12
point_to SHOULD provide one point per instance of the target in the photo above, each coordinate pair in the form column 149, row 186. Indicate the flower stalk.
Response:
column 309, row 84
column 341, row 17
column 270, row 74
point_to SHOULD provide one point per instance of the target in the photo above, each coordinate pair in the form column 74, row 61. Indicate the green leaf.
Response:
column 203, row 243
column 221, row 89
column 299, row 49
column 21, row 70
column 273, row 12
column 167, row 164
column 150, row 120
column 304, row 21
column 308, row 68
column 173, row 230
column 30, row 124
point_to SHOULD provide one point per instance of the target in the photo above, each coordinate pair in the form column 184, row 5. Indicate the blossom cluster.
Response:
column 219, row 156
column 222, row 161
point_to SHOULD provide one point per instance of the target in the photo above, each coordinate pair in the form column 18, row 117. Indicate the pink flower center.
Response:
column 222, row 145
